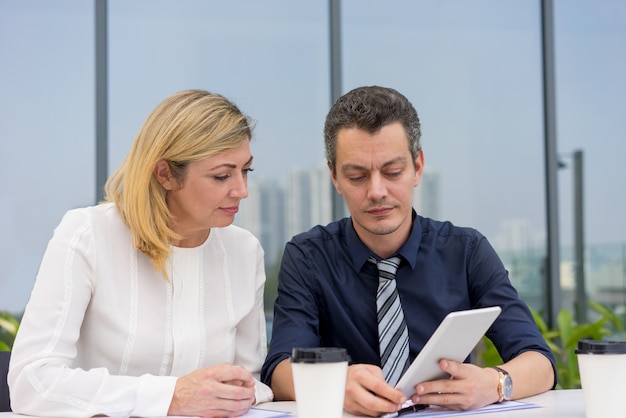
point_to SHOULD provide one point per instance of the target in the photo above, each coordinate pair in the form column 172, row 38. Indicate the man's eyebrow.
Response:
column 396, row 160
column 352, row 167
column 360, row 167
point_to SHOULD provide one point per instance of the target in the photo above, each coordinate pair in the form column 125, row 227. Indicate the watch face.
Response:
column 507, row 387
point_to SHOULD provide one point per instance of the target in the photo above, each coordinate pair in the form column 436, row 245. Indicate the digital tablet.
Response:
column 454, row 339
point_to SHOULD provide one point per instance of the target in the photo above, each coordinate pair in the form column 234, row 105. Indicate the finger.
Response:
column 456, row 372
column 212, row 406
column 376, row 384
column 463, row 390
column 454, row 368
column 226, row 372
column 453, row 401
column 226, row 401
column 244, row 383
column 367, row 393
column 364, row 402
column 227, row 391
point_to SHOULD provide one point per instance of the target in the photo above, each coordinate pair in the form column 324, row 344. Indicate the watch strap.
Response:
column 500, row 370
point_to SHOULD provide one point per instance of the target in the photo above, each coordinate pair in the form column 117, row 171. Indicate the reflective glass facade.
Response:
column 473, row 70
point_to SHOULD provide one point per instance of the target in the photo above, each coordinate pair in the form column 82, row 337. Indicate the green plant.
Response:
column 8, row 329
column 563, row 341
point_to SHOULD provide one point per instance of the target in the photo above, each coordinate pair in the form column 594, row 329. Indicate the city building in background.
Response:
column 263, row 214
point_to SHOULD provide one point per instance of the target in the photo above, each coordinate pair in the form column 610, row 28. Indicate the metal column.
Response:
column 579, row 238
column 552, row 276
column 101, row 98
column 335, row 84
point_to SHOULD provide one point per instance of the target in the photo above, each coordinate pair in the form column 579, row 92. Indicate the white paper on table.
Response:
column 265, row 413
column 252, row 413
column 440, row 412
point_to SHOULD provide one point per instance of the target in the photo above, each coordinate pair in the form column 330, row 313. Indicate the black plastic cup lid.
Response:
column 601, row 347
column 319, row 355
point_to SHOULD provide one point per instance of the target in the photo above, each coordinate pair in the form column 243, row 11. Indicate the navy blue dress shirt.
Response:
column 327, row 292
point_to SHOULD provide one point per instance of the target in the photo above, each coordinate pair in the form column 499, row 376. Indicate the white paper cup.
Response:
column 602, row 366
column 319, row 378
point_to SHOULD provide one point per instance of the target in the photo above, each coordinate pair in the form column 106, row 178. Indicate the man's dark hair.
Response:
column 370, row 109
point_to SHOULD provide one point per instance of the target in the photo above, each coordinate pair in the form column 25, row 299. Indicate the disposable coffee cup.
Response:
column 602, row 366
column 319, row 378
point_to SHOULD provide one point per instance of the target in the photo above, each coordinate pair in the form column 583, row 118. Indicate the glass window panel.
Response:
column 472, row 69
column 590, row 43
column 473, row 72
column 271, row 58
column 46, row 131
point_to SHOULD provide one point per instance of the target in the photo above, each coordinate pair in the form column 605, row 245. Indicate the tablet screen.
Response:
column 454, row 339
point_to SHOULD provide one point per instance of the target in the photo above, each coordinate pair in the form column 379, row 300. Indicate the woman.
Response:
column 151, row 303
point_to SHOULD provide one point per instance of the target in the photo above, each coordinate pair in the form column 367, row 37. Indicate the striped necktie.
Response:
column 393, row 335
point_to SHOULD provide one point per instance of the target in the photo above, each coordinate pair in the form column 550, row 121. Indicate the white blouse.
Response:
column 104, row 333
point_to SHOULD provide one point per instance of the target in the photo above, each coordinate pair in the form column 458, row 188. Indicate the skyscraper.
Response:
column 262, row 213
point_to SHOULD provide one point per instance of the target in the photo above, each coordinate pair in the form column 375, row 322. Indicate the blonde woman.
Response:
column 151, row 303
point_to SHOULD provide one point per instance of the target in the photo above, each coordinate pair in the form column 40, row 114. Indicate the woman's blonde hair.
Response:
column 189, row 126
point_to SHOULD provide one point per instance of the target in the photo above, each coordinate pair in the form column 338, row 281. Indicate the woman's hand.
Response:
column 223, row 390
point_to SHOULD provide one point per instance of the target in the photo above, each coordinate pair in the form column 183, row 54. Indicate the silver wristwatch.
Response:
column 505, row 385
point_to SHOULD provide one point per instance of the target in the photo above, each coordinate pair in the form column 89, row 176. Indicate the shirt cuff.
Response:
column 262, row 392
column 154, row 395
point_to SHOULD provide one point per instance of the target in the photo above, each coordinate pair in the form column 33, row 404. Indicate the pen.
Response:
column 404, row 411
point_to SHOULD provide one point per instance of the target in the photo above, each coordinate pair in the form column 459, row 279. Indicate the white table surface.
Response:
column 554, row 404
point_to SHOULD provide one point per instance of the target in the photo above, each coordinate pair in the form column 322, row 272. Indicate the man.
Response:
column 327, row 291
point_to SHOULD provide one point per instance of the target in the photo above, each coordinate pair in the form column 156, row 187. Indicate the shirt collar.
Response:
column 360, row 253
